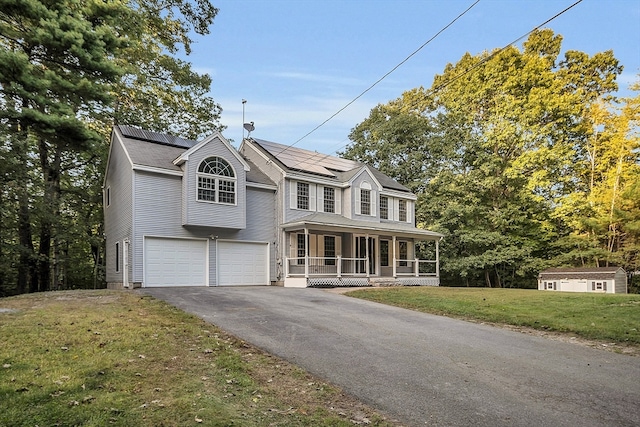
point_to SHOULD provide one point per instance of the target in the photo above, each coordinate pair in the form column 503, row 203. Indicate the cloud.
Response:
column 317, row 78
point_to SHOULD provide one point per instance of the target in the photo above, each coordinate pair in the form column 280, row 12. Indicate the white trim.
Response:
column 217, row 179
column 258, row 151
column 398, row 194
column 185, row 156
column 153, row 169
column 263, row 186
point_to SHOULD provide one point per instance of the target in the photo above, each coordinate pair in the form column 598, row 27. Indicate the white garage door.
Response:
column 243, row 263
column 175, row 262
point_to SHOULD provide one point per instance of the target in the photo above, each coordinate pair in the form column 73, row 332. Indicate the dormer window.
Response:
column 365, row 200
column 216, row 181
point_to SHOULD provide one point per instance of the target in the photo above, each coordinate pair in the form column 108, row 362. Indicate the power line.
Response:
column 454, row 78
column 382, row 78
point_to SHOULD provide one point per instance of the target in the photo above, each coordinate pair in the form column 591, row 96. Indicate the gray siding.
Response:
column 118, row 215
column 214, row 214
column 375, row 198
column 261, row 222
column 621, row 282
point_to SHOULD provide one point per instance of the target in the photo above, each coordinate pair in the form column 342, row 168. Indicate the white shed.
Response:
column 610, row 280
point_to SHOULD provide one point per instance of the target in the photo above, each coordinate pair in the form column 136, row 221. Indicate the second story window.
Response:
column 365, row 202
column 216, row 181
column 303, row 196
column 384, row 207
column 402, row 210
column 329, row 200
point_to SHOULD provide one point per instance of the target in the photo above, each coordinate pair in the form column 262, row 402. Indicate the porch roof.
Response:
column 339, row 223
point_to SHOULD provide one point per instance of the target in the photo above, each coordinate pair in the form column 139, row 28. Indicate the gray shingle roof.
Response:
column 160, row 150
column 579, row 273
column 332, row 221
column 315, row 163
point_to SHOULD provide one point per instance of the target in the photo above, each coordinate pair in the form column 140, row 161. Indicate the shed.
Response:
column 611, row 280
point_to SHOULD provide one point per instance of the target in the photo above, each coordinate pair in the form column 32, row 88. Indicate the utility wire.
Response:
column 382, row 78
column 454, row 78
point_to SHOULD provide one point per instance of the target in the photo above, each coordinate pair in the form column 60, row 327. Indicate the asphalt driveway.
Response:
column 425, row 369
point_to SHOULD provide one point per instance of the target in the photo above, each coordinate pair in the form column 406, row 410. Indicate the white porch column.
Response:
column 394, row 257
column 416, row 267
column 339, row 266
column 437, row 259
column 306, row 253
column 366, row 262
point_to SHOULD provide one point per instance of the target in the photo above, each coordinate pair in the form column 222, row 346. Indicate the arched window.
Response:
column 216, row 181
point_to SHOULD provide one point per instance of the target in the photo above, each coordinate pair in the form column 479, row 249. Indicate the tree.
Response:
column 500, row 138
column 69, row 70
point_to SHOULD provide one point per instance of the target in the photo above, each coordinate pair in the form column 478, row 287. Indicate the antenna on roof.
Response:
column 244, row 101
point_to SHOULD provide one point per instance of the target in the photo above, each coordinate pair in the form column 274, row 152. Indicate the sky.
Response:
column 298, row 62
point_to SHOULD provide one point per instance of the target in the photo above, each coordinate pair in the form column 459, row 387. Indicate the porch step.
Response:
column 384, row 282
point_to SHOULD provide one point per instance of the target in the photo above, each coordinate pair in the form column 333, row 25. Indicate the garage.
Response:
column 175, row 262
column 243, row 263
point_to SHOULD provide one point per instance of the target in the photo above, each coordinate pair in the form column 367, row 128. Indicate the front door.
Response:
column 362, row 252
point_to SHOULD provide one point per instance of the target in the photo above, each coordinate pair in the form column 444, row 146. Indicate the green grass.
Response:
column 98, row 358
column 603, row 317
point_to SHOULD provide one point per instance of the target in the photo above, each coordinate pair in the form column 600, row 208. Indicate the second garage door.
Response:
column 243, row 263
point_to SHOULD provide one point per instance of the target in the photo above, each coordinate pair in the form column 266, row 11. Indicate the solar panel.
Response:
column 155, row 137
column 306, row 160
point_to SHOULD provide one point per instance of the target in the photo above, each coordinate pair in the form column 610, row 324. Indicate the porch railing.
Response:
column 326, row 266
column 355, row 267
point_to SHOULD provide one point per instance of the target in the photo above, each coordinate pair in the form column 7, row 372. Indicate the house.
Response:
column 611, row 280
column 201, row 213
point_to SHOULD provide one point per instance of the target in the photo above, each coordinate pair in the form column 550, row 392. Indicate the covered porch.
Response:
column 332, row 251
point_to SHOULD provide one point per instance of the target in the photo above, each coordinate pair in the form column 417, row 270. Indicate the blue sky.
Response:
column 297, row 62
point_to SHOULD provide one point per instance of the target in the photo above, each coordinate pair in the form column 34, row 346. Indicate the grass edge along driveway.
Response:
column 96, row 358
column 605, row 318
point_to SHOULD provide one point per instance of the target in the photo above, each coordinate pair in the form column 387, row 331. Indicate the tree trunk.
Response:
column 487, row 278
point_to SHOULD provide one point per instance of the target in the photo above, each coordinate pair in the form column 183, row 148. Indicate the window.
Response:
column 402, row 210
column 216, row 181
column 384, row 252
column 301, row 248
column 330, row 250
column 550, row 285
column 384, row 207
column 404, row 253
column 599, row 286
column 329, row 200
column 365, row 202
column 117, row 257
column 107, row 196
column 303, row 196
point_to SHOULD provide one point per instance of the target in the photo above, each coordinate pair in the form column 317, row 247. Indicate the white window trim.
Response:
column 217, row 179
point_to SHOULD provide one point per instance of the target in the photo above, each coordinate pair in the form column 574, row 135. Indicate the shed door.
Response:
column 243, row 263
column 175, row 262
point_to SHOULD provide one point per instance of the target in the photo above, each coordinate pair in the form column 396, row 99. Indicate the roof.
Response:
column 338, row 222
column 158, row 150
column 325, row 165
column 580, row 273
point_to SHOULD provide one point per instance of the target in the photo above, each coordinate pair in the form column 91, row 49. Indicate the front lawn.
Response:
column 603, row 317
column 101, row 358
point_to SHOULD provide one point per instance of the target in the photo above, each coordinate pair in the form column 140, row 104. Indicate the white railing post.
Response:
column 416, row 268
column 286, row 267
column 306, row 253
column 366, row 265
column 339, row 266
column 395, row 274
column 437, row 260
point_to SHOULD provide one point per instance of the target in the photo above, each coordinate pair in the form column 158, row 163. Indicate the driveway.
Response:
column 425, row 369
